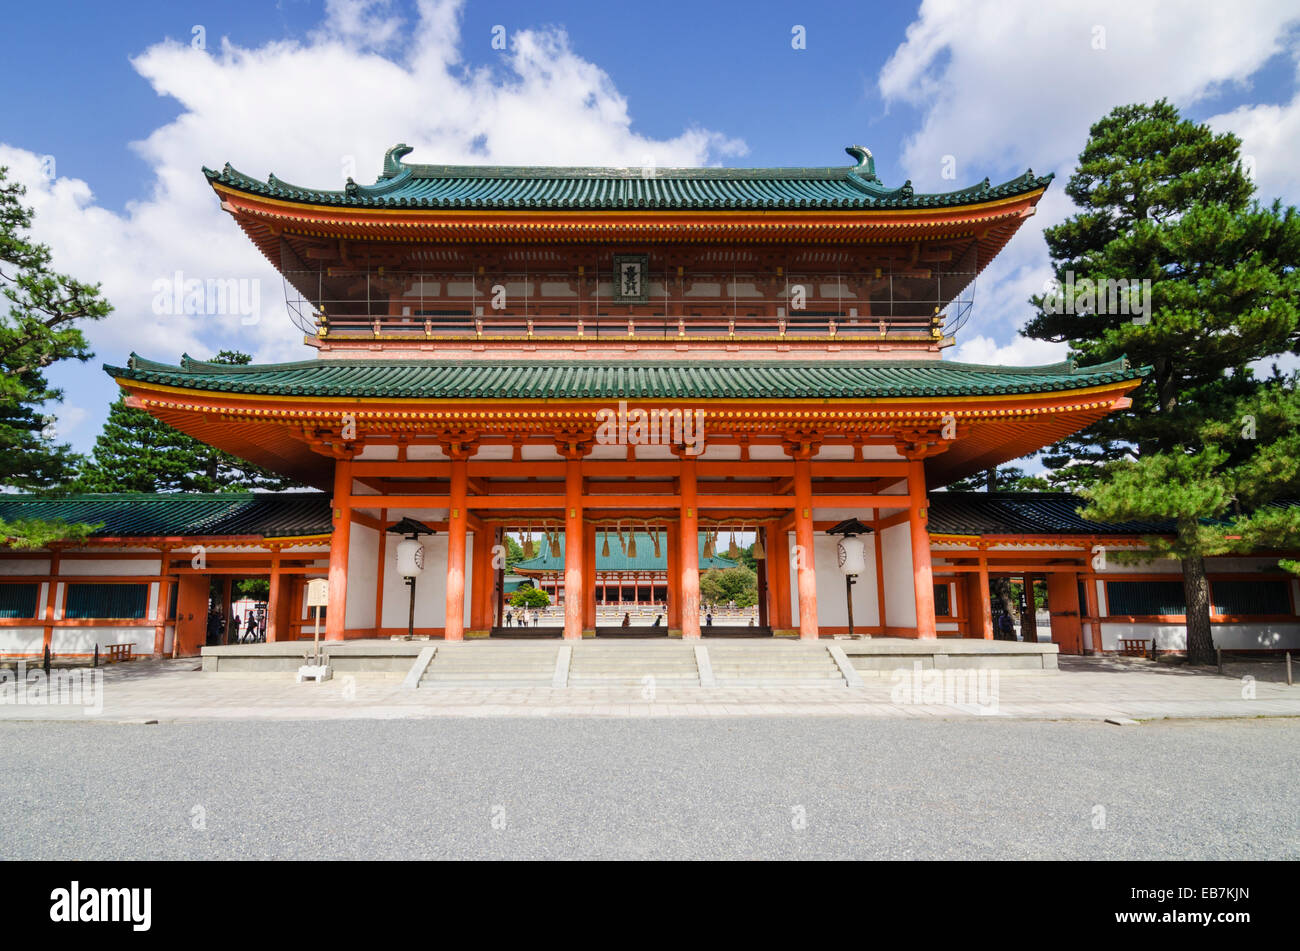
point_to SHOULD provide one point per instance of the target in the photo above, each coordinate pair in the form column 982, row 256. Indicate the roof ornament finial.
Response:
column 393, row 159
column 866, row 166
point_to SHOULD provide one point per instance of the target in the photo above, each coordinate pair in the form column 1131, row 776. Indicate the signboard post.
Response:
column 318, row 596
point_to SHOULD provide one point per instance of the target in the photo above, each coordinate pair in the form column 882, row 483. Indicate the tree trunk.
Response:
column 1196, row 591
column 1002, row 591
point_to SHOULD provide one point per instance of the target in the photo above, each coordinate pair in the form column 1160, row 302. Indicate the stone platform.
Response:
column 759, row 661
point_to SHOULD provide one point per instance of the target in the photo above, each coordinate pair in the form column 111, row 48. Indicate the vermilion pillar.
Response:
column 273, row 600
column 51, row 594
column 573, row 546
column 457, row 519
column 336, row 612
column 674, row 554
column 689, row 550
column 922, row 575
column 984, row 604
column 778, row 559
column 160, row 615
column 804, row 562
column 589, row 579
column 479, row 580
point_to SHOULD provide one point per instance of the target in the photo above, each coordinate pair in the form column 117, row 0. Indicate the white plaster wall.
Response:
column 110, row 566
column 900, row 591
column 1262, row 636
column 22, row 640
column 82, row 640
column 430, row 587
column 363, row 573
column 24, row 566
column 832, row 609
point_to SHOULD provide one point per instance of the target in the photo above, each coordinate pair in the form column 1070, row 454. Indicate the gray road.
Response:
column 690, row 788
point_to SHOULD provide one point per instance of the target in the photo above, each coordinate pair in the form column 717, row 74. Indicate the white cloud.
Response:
column 310, row 112
column 1270, row 141
column 1004, row 85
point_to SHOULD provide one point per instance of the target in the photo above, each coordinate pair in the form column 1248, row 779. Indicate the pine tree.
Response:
column 1165, row 200
column 137, row 452
column 38, row 328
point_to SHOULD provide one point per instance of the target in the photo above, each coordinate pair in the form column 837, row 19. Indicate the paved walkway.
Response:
column 1084, row 689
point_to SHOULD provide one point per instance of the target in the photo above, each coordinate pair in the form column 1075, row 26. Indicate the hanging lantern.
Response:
column 851, row 555
column 758, row 551
column 410, row 558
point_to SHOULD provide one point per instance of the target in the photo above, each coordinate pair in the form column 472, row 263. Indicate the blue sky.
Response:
column 129, row 109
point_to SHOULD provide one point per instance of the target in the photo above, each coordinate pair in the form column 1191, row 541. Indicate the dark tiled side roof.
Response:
column 130, row 514
column 1023, row 513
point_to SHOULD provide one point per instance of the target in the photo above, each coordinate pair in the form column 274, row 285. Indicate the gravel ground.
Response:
column 641, row 788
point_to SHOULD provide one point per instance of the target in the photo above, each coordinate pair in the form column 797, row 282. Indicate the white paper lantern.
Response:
column 851, row 554
column 410, row 558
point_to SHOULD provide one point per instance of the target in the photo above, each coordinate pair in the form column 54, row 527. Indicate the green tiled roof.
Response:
column 618, row 560
column 518, row 379
column 133, row 514
column 854, row 188
column 1031, row 513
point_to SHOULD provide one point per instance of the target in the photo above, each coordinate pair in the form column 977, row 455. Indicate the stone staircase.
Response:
column 520, row 663
column 628, row 663
column 774, row 664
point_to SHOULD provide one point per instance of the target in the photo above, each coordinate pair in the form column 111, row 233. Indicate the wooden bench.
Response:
column 118, row 652
column 1136, row 647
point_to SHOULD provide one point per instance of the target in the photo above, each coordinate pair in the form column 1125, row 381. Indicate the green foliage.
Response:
column 137, row 452
column 514, row 553
column 258, row 589
column 1207, row 444
column 39, row 327
column 721, row 587
column 530, row 598
column 31, row 533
